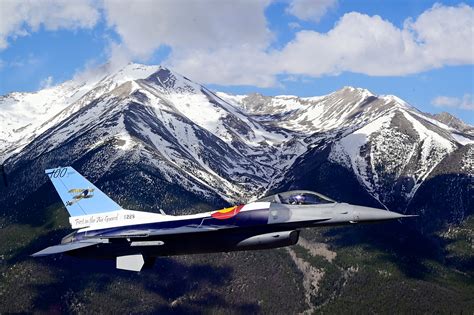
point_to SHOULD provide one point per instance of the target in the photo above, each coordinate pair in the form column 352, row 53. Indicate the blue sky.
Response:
column 421, row 51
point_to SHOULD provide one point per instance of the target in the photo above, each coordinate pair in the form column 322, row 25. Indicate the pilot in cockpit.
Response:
column 297, row 200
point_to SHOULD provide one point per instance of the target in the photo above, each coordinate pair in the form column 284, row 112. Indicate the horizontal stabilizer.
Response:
column 130, row 262
column 62, row 248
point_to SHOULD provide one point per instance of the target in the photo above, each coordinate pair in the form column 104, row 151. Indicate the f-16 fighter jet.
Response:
column 135, row 238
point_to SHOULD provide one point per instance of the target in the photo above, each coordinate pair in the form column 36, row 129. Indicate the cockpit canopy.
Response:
column 298, row 197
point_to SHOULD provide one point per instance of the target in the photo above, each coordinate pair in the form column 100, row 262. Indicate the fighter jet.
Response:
column 135, row 238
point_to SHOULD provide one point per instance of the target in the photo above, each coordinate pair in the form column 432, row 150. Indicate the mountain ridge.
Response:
column 231, row 147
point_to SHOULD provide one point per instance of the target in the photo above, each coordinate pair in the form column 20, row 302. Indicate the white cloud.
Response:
column 358, row 43
column 18, row 18
column 444, row 35
column 231, row 66
column 191, row 25
column 230, row 44
column 294, row 25
column 212, row 41
column 374, row 46
column 46, row 82
column 310, row 10
column 119, row 55
column 466, row 102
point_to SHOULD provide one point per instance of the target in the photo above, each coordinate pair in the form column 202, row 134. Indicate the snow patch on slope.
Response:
column 348, row 151
column 462, row 140
column 468, row 165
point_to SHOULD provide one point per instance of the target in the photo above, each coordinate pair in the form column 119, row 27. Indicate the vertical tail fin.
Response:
column 79, row 195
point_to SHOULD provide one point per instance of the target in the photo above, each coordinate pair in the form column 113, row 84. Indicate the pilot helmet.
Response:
column 297, row 199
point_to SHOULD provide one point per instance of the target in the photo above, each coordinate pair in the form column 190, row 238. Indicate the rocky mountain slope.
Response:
column 225, row 147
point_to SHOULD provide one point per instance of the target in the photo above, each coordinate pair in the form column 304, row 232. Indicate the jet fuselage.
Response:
column 265, row 225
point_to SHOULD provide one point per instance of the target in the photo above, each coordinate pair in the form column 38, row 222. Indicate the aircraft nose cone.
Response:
column 363, row 214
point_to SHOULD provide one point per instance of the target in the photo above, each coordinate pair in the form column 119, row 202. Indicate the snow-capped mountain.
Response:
column 389, row 145
column 175, row 135
column 26, row 115
column 157, row 119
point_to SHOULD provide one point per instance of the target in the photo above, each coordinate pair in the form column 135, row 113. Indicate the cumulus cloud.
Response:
column 310, row 10
column 19, row 18
column 224, row 45
column 231, row 44
column 205, row 26
column 444, row 35
column 466, row 102
column 374, row 46
column 358, row 43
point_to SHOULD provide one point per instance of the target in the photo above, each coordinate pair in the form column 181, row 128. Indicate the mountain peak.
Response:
column 453, row 122
column 173, row 82
column 365, row 93
column 351, row 89
column 448, row 119
column 132, row 71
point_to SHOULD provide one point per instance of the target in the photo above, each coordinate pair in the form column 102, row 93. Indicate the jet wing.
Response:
column 188, row 229
column 62, row 248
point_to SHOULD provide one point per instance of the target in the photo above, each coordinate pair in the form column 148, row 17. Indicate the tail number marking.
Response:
column 59, row 172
